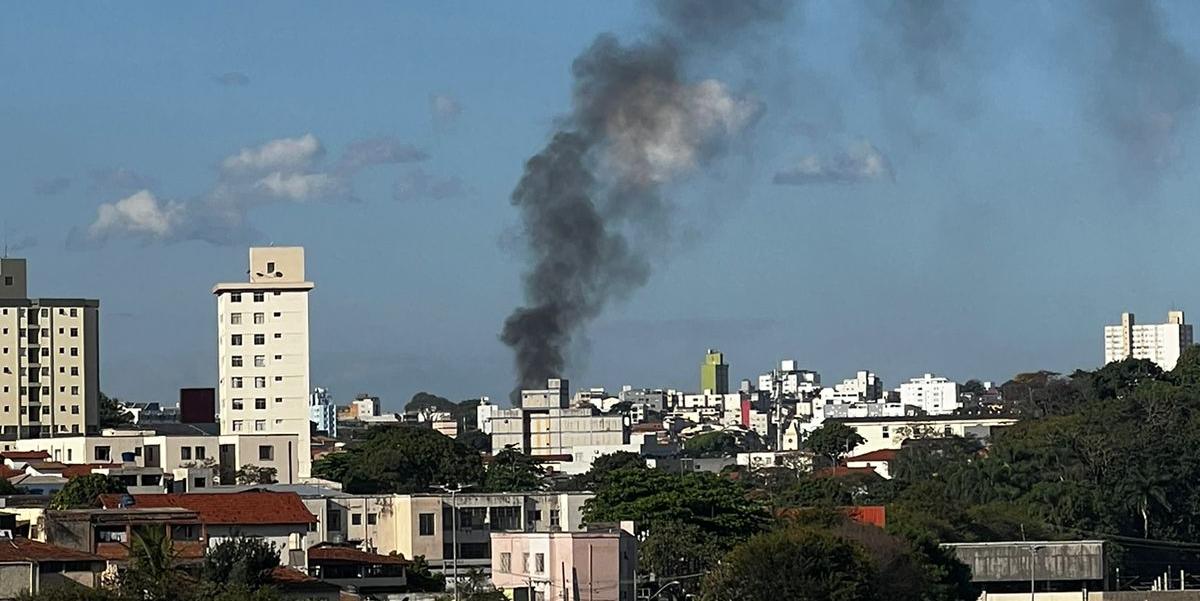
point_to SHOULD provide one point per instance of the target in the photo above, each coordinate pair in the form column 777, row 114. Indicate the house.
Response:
column 358, row 571
column 108, row 533
column 294, row 585
column 279, row 517
column 30, row 566
column 880, row 461
column 891, row 432
column 595, row 565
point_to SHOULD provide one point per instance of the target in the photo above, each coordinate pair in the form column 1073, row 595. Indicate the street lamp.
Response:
column 453, row 490
column 1033, row 550
column 661, row 590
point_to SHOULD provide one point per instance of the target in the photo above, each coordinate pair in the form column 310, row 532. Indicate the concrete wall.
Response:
column 1010, row 562
column 15, row 578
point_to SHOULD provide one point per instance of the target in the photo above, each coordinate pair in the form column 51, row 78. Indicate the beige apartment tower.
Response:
column 262, row 350
column 1161, row 343
column 49, row 361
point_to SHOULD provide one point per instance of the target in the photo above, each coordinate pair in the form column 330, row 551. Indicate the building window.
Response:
column 266, row 452
column 200, row 453
column 260, row 361
column 335, row 520
column 525, row 563
column 75, row 331
column 278, row 399
column 74, row 370
column 235, row 382
column 185, row 453
column 235, row 318
column 270, row 267
column 235, row 297
column 506, row 563
column 260, row 381
column 277, row 314
column 884, row 432
column 553, row 518
column 258, row 297
column 237, row 425
column 260, row 318
column 260, row 339
column 278, row 357
column 278, row 335
column 74, row 312
column 260, row 425
column 425, row 523
column 235, row 340
column 74, row 409
column 75, row 390
column 278, row 378
column 236, row 360
column 103, row 454
column 372, row 518
column 260, row 403
column 539, row 563
column 199, row 482
column 356, row 519
column 8, row 281
column 237, row 404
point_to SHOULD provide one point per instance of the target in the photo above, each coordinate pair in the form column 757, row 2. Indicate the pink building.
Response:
column 596, row 565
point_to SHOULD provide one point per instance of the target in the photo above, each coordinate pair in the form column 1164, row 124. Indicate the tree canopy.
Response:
column 111, row 415
column 83, row 492
column 832, row 441
column 401, row 459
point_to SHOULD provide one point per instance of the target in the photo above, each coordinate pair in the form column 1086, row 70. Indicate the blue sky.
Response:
column 1012, row 221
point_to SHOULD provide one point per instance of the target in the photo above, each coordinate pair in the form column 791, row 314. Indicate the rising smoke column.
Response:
column 637, row 123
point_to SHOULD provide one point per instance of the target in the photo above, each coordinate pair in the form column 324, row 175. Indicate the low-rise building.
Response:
column 29, row 566
column 357, row 571
column 595, row 565
column 281, row 518
column 891, row 432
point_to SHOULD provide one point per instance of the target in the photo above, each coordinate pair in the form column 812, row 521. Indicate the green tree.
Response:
column 511, row 470
column 832, row 441
column 475, row 586
column 154, row 573
column 719, row 444
column 406, row 459
column 793, row 564
column 476, row 440
column 676, row 549
column 254, row 474
column 972, row 386
column 422, row 579
column 333, row 466
column 241, row 561
column 83, row 492
column 111, row 415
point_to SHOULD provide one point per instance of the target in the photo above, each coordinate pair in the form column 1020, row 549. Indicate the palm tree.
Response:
column 154, row 573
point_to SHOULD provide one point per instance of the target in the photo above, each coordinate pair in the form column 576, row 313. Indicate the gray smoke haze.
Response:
column 925, row 41
column 1147, row 87
column 637, row 123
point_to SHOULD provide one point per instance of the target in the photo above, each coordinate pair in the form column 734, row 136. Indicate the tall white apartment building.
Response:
column 322, row 412
column 790, row 381
column 262, row 350
column 935, row 395
column 1161, row 343
column 49, row 361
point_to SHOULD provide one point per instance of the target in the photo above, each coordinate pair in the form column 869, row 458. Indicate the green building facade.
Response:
column 714, row 373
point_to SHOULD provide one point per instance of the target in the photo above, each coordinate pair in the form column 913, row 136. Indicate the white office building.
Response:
column 262, row 350
column 790, row 381
column 932, row 394
column 1161, row 342
column 322, row 412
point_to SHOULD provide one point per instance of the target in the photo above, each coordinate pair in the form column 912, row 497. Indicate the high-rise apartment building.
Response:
column 1161, row 343
column 262, row 349
column 932, row 394
column 714, row 373
column 322, row 412
column 49, row 361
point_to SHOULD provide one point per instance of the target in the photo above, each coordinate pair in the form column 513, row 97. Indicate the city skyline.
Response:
column 978, row 240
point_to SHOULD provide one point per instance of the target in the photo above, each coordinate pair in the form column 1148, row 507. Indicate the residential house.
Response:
column 595, row 565
column 28, row 566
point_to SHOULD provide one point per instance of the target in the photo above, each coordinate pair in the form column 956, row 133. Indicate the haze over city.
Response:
column 972, row 197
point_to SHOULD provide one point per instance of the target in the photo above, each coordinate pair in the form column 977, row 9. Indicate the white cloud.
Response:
column 282, row 154
column 141, row 214
column 444, row 108
column 285, row 170
column 416, row 184
column 861, row 162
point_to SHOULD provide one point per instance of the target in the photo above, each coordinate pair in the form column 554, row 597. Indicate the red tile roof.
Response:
column 24, row 455
column 8, row 472
column 249, row 507
column 23, row 549
column 285, row 574
column 341, row 554
column 880, row 455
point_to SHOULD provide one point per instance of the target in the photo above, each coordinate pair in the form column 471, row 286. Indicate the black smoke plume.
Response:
column 637, row 122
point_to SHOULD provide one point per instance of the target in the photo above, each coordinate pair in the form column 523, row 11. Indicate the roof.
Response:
column 172, row 429
column 343, row 554
column 83, row 469
column 24, row 455
column 290, row 579
column 925, row 419
column 8, row 472
column 250, row 507
column 23, row 549
column 880, row 455
column 841, row 470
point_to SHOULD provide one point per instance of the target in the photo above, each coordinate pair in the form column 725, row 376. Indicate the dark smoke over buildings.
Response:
column 637, row 123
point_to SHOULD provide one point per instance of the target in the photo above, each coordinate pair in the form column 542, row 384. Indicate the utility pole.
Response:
column 453, row 490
